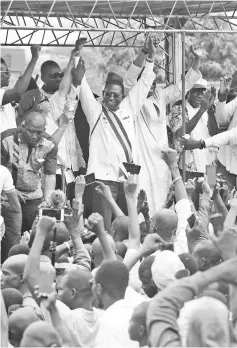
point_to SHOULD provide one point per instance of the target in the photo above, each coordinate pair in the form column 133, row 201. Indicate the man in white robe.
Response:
column 151, row 134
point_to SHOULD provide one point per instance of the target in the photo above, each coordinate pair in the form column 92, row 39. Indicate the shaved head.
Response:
column 166, row 222
column 120, row 229
column 75, row 287
column 16, row 263
column 139, row 313
column 35, row 119
column 206, row 255
column 137, row 324
column 97, row 250
column 12, row 272
column 19, row 320
column 41, row 334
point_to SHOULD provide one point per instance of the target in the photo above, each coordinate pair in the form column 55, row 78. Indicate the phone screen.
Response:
column 211, row 175
column 191, row 220
column 90, row 178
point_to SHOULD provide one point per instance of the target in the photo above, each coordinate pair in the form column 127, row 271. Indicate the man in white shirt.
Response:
column 74, row 290
column 226, row 115
column 106, row 150
column 151, row 133
column 10, row 222
column 109, row 287
column 7, row 96
column 226, row 139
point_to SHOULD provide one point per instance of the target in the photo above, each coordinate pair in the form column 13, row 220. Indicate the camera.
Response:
column 58, row 214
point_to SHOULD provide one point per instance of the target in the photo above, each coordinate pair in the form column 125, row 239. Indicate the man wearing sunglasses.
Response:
column 51, row 98
column 113, row 143
column 8, row 96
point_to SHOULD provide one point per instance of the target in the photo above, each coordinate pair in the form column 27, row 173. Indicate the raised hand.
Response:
column 190, row 187
column 207, row 190
column 104, row 190
column 130, row 187
column 225, row 84
column 206, row 101
column 49, row 300
column 72, row 221
column 46, row 224
column 79, row 72
column 213, row 96
column 233, row 199
column 193, row 234
column 151, row 48
column 226, row 242
column 151, row 243
column 169, row 156
column 80, row 186
column 196, row 51
column 35, row 50
column 96, row 223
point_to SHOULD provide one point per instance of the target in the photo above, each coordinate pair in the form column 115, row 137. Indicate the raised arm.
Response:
column 165, row 306
column 22, row 83
column 231, row 216
column 138, row 94
column 32, row 267
column 104, row 190
column 174, row 92
column 182, row 206
column 91, row 107
column 96, row 223
column 191, row 124
column 150, row 245
column 130, row 189
column 131, row 76
column 224, row 112
column 80, row 254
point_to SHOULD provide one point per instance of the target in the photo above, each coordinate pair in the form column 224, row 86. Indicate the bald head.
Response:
column 16, row 263
column 74, row 287
column 12, row 272
column 166, row 222
column 120, row 229
column 41, row 334
column 121, row 249
column 97, row 250
column 35, row 119
column 139, row 313
column 19, row 249
column 206, row 255
column 79, row 278
column 19, row 320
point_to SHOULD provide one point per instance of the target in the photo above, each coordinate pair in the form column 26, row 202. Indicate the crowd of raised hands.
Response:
column 173, row 274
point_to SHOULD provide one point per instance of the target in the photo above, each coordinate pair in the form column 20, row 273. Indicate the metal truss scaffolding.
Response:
column 108, row 23
column 115, row 23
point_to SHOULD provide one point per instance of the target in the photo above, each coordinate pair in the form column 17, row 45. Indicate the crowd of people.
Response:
column 103, row 244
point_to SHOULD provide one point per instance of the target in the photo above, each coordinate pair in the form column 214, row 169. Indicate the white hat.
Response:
column 201, row 83
column 164, row 268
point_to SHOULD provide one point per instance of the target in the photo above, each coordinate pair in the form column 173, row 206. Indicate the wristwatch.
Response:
column 202, row 144
column 144, row 51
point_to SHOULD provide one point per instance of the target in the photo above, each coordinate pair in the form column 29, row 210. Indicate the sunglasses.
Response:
column 7, row 72
column 114, row 95
column 57, row 75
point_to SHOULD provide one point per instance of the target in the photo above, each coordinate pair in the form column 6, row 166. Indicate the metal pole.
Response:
column 183, row 101
column 144, row 31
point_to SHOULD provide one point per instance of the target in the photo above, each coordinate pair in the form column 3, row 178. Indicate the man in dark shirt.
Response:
column 25, row 152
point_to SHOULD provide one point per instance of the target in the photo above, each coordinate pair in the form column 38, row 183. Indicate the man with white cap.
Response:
column 197, row 103
column 165, row 267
